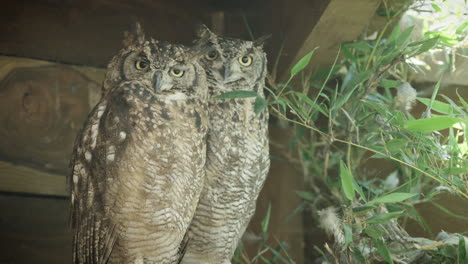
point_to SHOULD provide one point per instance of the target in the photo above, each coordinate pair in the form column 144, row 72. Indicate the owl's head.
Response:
column 164, row 67
column 234, row 63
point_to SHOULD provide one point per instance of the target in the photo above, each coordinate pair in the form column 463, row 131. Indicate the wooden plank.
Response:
column 278, row 192
column 341, row 21
column 42, row 107
column 34, row 230
column 21, row 179
column 90, row 32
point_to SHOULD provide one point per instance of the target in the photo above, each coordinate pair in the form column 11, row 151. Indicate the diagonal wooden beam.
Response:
column 341, row 21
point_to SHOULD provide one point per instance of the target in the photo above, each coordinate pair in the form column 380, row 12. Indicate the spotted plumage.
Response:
column 237, row 149
column 138, row 162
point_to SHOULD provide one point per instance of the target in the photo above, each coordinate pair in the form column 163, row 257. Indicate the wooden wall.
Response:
column 51, row 68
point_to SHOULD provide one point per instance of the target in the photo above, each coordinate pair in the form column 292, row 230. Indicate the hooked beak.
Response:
column 227, row 72
column 157, row 81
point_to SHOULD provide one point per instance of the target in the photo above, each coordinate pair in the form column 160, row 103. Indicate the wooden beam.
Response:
column 43, row 105
column 90, row 32
column 21, row 179
column 341, row 21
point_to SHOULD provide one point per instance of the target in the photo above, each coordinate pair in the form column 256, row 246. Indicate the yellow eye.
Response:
column 177, row 72
column 212, row 55
column 141, row 64
column 245, row 60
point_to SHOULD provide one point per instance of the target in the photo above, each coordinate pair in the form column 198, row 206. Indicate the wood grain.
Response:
column 341, row 21
column 20, row 179
column 42, row 107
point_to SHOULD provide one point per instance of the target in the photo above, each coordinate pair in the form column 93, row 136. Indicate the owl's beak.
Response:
column 157, row 80
column 227, row 71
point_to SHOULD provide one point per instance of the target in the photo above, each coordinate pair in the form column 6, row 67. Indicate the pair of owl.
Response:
column 162, row 171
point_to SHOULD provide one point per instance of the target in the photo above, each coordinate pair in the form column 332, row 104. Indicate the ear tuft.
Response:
column 204, row 32
column 135, row 35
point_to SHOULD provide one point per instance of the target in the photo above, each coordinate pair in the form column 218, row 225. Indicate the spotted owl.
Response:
column 138, row 162
column 237, row 148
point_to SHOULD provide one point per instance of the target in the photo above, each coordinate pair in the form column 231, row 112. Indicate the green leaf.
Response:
column 461, row 28
column 404, row 36
column 390, row 83
column 438, row 106
column 393, row 36
column 464, row 103
column 374, row 231
column 363, row 208
column 266, row 220
column 383, row 218
column 462, row 256
column 392, row 198
column 236, row 94
column 304, row 98
column 302, row 63
column 348, row 231
column 348, row 54
column 360, row 46
column 395, row 145
column 428, row 44
column 455, row 170
column 383, row 250
column 260, row 104
column 358, row 255
column 359, row 190
column 432, row 124
column 436, row 8
column 346, row 181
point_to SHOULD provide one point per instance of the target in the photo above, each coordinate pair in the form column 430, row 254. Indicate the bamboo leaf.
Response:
column 392, row 198
column 428, row 44
column 383, row 250
column 389, row 83
column 363, row 208
column 266, row 220
column 348, row 231
column 462, row 256
column 432, row 124
column 404, row 36
column 374, row 231
column 260, row 104
column 436, row 8
column 302, row 63
column 395, row 144
column 438, row 106
column 383, row 218
column 346, row 181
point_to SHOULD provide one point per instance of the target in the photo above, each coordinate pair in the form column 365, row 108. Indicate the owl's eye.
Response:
column 212, row 55
column 141, row 65
column 245, row 60
column 177, row 72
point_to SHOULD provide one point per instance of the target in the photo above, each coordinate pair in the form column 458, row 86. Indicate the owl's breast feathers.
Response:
column 137, row 168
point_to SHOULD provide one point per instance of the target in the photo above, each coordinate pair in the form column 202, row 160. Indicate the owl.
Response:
column 138, row 162
column 237, row 148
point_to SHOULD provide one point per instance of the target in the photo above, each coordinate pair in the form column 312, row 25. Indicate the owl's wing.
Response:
column 94, row 234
